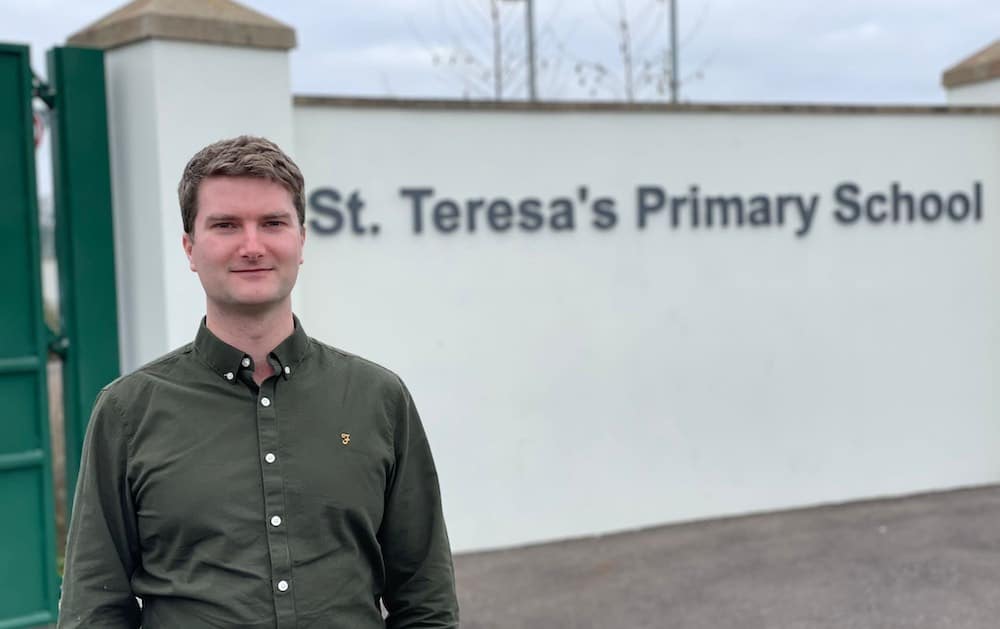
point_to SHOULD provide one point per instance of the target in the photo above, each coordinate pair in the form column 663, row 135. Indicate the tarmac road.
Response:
column 928, row 561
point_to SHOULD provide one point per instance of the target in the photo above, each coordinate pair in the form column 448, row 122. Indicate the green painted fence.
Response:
column 84, row 239
column 28, row 583
column 88, row 344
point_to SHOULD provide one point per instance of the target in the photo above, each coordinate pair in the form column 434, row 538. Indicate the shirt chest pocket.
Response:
column 341, row 477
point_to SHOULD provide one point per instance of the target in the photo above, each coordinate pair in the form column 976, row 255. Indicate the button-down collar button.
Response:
column 265, row 401
column 288, row 370
column 269, row 457
column 245, row 362
column 282, row 586
column 229, row 375
column 276, row 520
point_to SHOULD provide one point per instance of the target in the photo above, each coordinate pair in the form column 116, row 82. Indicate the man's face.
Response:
column 246, row 245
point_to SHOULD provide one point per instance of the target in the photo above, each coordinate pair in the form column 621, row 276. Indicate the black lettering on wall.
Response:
column 955, row 200
column 604, row 213
column 900, row 200
column 847, row 195
column 531, row 215
column 417, row 196
column 500, row 215
column 354, row 206
column 471, row 207
column 931, row 206
column 649, row 199
column 446, row 215
column 324, row 201
column 870, row 205
column 760, row 210
column 562, row 218
column 723, row 206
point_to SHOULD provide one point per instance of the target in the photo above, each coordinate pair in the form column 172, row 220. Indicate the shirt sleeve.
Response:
column 102, row 548
column 420, row 576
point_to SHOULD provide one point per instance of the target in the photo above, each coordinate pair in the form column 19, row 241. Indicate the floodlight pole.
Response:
column 529, row 28
column 674, row 83
column 529, row 37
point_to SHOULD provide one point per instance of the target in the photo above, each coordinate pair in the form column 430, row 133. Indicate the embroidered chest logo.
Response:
column 345, row 438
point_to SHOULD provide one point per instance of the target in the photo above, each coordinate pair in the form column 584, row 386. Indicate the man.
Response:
column 255, row 477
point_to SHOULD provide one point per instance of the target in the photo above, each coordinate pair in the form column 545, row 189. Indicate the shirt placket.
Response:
column 274, row 505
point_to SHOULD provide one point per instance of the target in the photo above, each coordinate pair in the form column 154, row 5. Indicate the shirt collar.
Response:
column 226, row 360
column 290, row 352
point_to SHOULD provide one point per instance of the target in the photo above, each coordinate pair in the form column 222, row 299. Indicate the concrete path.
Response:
column 929, row 561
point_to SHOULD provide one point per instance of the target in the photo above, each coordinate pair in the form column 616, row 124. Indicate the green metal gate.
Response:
column 88, row 303
column 28, row 583
column 89, row 343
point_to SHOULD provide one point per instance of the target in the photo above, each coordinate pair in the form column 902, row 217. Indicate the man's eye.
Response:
column 274, row 223
column 223, row 225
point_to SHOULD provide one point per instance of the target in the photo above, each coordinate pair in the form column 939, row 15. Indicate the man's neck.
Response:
column 255, row 333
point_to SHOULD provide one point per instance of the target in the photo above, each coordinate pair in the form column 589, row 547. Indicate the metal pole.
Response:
column 529, row 12
column 674, row 83
column 497, row 51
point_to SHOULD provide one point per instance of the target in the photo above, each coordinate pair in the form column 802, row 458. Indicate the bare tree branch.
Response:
column 487, row 54
column 699, row 22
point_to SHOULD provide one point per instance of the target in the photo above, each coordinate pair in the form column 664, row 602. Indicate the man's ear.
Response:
column 187, row 240
column 303, row 247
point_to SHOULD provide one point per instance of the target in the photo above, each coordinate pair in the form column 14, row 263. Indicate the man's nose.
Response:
column 251, row 246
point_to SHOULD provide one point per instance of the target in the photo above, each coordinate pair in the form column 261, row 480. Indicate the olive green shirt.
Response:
column 303, row 502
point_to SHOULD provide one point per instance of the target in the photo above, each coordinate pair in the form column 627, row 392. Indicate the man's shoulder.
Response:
column 166, row 366
column 331, row 357
column 120, row 397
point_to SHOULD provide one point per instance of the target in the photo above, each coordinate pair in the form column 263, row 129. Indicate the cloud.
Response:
column 747, row 50
column 863, row 34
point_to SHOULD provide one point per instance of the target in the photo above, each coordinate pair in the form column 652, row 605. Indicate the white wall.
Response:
column 983, row 93
column 166, row 100
column 135, row 182
column 590, row 381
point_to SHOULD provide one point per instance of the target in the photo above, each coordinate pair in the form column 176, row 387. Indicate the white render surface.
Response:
column 166, row 100
column 982, row 93
column 592, row 381
column 131, row 87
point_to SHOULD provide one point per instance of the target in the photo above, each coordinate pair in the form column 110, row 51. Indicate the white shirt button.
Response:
column 282, row 586
column 269, row 457
column 229, row 375
column 276, row 520
column 288, row 370
column 264, row 401
column 245, row 362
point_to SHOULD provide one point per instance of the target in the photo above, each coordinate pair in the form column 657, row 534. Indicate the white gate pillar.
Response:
column 179, row 76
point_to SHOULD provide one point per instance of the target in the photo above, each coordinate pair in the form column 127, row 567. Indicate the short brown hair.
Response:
column 243, row 156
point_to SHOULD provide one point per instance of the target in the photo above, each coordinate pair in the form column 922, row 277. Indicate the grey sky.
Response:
column 851, row 51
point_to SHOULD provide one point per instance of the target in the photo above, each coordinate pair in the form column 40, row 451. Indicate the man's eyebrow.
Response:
column 234, row 217
column 272, row 215
column 220, row 217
